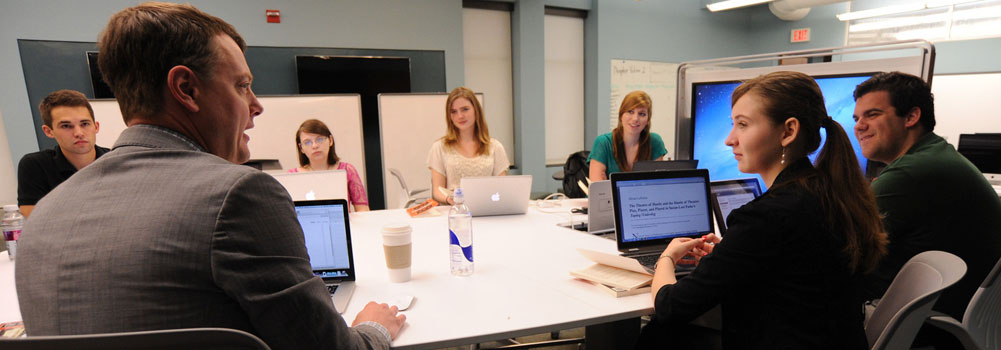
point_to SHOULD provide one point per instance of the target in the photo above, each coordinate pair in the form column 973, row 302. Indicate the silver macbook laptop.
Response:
column 652, row 208
column 600, row 216
column 312, row 185
column 327, row 231
column 732, row 194
column 496, row 195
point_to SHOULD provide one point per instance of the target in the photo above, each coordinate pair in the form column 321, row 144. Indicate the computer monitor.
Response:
column 711, row 122
column 984, row 151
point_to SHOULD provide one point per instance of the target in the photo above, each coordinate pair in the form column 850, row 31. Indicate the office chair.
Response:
column 910, row 297
column 981, row 326
column 189, row 338
column 407, row 197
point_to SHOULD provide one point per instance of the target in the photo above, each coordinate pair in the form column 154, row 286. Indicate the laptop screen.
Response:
column 659, row 206
column 326, row 229
column 732, row 194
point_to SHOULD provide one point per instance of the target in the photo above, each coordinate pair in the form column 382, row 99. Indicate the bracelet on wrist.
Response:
column 668, row 257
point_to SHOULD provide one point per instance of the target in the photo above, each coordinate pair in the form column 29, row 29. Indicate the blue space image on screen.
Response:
column 711, row 114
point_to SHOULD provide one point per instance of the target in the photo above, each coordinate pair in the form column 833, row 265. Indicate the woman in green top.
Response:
column 631, row 140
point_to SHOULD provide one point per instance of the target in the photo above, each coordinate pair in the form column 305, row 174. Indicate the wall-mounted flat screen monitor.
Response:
column 365, row 75
column 703, row 107
column 711, row 122
column 101, row 89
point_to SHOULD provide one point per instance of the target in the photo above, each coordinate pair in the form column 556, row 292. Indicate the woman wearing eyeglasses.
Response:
column 316, row 152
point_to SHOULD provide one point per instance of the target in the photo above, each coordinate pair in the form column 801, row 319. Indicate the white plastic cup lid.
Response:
column 396, row 227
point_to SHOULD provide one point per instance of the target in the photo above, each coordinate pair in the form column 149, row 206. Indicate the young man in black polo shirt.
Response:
column 69, row 119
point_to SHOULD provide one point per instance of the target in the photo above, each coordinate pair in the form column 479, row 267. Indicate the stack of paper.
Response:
column 615, row 281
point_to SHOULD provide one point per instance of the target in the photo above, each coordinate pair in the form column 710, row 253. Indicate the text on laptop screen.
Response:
column 711, row 122
column 326, row 239
column 731, row 196
column 663, row 208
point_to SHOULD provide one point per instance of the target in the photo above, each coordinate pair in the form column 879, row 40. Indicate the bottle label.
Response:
column 467, row 251
column 11, row 235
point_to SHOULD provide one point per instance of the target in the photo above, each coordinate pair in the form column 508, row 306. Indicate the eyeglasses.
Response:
column 322, row 140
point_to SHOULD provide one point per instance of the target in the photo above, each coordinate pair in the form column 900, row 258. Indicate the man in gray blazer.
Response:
column 167, row 230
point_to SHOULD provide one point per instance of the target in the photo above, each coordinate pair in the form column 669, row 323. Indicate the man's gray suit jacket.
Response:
column 159, row 234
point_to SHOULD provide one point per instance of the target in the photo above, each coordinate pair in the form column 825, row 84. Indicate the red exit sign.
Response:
column 801, row 35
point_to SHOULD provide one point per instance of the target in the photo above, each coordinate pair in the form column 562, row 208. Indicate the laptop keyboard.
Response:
column 331, row 288
column 650, row 262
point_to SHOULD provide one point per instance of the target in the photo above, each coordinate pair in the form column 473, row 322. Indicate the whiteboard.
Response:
column 657, row 79
column 409, row 124
column 966, row 104
column 273, row 135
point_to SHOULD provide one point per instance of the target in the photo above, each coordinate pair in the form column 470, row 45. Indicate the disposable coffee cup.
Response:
column 397, row 245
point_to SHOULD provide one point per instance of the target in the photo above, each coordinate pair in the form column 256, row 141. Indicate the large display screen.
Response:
column 711, row 122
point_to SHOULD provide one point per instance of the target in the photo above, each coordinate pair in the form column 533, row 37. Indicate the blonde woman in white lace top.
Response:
column 466, row 149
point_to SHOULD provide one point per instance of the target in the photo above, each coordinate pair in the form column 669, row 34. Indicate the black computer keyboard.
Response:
column 650, row 262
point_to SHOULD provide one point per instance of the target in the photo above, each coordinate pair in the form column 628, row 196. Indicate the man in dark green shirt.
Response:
column 931, row 197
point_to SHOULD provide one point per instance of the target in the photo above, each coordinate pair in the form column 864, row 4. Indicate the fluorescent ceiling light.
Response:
column 897, row 22
column 895, row 9
column 941, row 3
column 880, row 11
column 732, row 4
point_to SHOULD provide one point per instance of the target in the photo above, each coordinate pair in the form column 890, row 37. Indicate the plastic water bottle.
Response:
column 12, row 223
column 460, row 232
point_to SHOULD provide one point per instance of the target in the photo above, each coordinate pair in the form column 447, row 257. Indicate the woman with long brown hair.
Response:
column 629, row 142
column 789, row 272
column 466, row 149
column 317, row 152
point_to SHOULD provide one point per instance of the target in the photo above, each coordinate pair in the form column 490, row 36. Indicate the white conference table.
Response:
column 521, row 284
column 8, row 297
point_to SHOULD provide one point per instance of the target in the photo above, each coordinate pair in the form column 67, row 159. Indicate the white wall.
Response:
column 564, row 87
column 374, row 24
column 486, row 36
column 273, row 135
column 966, row 104
column 8, row 175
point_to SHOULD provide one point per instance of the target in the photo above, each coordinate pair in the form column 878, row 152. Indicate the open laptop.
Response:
column 732, row 194
column 327, row 231
column 496, row 195
column 311, row 185
column 600, row 216
column 652, row 208
column 652, row 165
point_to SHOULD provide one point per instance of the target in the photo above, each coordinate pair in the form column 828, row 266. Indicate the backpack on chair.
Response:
column 575, row 169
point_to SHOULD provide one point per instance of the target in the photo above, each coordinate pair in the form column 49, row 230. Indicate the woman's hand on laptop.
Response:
column 709, row 242
column 679, row 248
column 383, row 314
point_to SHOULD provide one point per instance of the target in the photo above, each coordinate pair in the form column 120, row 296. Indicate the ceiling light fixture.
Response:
column 898, row 9
column 732, row 4
column 880, row 11
column 942, row 3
